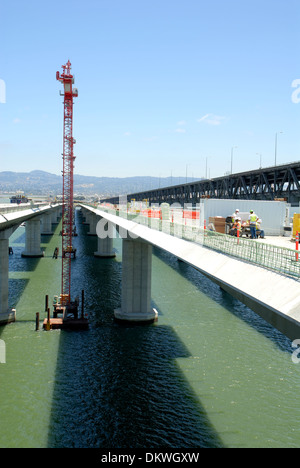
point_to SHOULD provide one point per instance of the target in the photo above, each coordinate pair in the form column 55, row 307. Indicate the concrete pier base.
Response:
column 135, row 319
column 8, row 317
column 93, row 220
column 136, row 284
column 105, row 248
column 33, row 239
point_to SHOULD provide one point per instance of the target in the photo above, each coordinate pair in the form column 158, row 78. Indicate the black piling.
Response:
column 82, row 304
column 37, row 321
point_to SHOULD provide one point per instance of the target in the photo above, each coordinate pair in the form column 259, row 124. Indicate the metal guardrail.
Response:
column 279, row 259
column 11, row 208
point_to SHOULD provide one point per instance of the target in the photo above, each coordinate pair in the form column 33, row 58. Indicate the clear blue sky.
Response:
column 164, row 85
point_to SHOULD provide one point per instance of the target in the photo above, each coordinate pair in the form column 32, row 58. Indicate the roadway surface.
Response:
column 273, row 296
column 13, row 217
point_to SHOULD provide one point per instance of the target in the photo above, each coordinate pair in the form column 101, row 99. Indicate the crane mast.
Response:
column 63, row 304
column 67, row 79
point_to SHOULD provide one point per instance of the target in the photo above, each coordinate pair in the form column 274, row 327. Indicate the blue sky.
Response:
column 165, row 87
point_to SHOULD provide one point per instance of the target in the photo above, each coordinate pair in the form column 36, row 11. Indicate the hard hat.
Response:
column 237, row 210
column 251, row 211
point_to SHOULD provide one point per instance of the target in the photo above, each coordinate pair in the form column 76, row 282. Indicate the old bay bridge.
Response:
column 277, row 182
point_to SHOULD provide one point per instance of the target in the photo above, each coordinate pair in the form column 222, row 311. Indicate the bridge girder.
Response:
column 261, row 184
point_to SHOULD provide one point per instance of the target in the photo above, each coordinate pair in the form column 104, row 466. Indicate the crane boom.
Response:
column 67, row 79
column 63, row 305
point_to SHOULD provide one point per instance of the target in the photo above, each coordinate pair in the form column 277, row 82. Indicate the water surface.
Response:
column 209, row 373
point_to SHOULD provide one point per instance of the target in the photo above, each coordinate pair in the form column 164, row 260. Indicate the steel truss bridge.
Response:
column 278, row 182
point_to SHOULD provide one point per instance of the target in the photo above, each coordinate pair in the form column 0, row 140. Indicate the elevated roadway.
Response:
column 12, row 217
column 273, row 296
column 39, row 219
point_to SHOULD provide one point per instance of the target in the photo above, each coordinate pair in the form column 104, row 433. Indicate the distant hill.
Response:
column 45, row 183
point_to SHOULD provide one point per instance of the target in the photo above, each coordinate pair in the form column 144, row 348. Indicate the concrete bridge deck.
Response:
column 13, row 217
column 36, row 217
column 273, row 296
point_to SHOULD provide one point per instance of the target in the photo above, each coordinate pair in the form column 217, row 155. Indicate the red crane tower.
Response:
column 64, row 305
column 67, row 79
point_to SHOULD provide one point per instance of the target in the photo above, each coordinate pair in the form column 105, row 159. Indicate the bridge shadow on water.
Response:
column 119, row 386
column 17, row 263
column 16, row 287
column 22, row 264
column 231, row 304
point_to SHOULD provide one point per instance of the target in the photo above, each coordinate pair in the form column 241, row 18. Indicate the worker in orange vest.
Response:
column 237, row 226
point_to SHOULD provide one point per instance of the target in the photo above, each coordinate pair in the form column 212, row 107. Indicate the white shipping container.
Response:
column 272, row 213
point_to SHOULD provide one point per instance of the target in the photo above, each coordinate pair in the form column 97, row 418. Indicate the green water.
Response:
column 210, row 373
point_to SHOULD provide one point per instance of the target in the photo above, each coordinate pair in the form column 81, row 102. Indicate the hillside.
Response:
column 45, row 183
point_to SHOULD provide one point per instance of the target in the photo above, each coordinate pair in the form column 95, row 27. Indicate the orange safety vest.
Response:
column 237, row 225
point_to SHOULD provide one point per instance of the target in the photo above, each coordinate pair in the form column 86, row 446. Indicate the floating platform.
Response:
column 60, row 324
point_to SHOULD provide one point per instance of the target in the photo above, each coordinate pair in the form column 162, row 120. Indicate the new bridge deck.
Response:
column 275, row 297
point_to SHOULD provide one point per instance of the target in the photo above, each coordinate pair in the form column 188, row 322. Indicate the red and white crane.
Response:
column 67, row 79
column 64, row 305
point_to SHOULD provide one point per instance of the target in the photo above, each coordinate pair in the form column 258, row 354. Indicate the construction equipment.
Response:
column 67, row 79
column 63, row 304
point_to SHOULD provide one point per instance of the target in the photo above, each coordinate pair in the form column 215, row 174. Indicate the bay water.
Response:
column 209, row 373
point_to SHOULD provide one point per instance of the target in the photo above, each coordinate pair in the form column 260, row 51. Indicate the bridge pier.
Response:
column 85, row 217
column 47, row 225
column 105, row 248
column 105, row 244
column 6, row 315
column 93, row 220
column 136, row 283
column 33, row 238
column 54, row 216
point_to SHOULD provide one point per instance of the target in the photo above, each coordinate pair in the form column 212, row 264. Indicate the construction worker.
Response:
column 259, row 231
column 252, row 224
column 235, row 215
column 55, row 253
column 237, row 226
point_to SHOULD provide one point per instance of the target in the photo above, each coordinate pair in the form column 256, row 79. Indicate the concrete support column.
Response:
column 106, row 233
column 93, row 219
column 105, row 248
column 33, row 238
column 136, row 283
column 6, row 315
column 54, row 216
column 47, row 224
column 85, row 217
